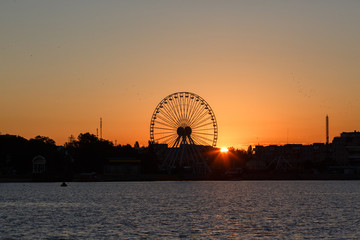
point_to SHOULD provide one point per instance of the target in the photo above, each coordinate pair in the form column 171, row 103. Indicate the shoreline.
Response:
column 160, row 177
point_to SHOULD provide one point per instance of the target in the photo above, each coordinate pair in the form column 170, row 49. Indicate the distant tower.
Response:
column 97, row 132
column 327, row 129
column 100, row 128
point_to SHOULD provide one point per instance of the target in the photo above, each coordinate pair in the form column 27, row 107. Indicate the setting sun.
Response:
column 224, row 150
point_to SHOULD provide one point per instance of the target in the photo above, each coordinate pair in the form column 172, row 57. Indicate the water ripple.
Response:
column 181, row 210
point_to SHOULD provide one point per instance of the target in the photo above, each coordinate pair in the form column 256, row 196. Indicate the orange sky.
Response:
column 270, row 70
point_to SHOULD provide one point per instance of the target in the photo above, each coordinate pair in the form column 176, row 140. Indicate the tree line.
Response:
column 88, row 153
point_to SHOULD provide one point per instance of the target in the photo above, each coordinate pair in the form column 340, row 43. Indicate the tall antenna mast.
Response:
column 327, row 129
column 100, row 128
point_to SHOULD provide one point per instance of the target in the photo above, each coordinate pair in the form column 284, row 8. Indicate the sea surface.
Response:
column 181, row 210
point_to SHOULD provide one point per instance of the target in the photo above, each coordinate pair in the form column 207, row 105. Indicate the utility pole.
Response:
column 327, row 130
column 100, row 128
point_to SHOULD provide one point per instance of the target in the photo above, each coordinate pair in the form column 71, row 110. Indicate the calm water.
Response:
column 186, row 210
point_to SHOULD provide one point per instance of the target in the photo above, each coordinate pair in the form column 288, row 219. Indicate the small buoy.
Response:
column 63, row 184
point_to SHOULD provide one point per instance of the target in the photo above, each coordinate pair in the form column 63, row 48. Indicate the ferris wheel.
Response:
column 183, row 118
column 184, row 121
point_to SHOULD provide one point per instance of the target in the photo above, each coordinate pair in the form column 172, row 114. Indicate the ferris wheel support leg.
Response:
column 181, row 159
column 170, row 157
column 199, row 159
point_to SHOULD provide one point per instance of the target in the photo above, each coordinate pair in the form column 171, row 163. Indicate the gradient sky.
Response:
column 270, row 70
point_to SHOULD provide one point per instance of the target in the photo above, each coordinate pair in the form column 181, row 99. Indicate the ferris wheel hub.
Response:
column 182, row 132
column 188, row 131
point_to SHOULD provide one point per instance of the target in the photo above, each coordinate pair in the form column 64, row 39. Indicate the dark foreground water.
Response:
column 186, row 210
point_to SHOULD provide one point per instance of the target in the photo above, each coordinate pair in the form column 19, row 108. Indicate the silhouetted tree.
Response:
column 45, row 140
column 15, row 156
column 89, row 152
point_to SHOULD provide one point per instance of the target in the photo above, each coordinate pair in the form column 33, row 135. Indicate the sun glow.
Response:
column 224, row 150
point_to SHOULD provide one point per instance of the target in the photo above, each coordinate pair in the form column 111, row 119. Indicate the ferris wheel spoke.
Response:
column 174, row 110
column 182, row 106
column 170, row 114
column 162, row 133
column 200, row 119
column 165, row 141
column 161, row 128
column 192, row 106
column 207, row 133
column 196, row 111
column 203, row 138
column 200, row 126
column 167, row 121
column 188, row 107
column 203, row 129
column 198, row 115
column 173, row 143
column 165, row 124
column 170, row 141
column 179, row 106
column 203, row 143
column 185, row 105
column 202, row 133
column 167, row 136
column 201, row 112
column 175, row 104
column 199, row 142
column 204, row 125
column 167, row 114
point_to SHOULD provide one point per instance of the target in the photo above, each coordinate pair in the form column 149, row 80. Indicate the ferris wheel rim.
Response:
column 196, row 129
